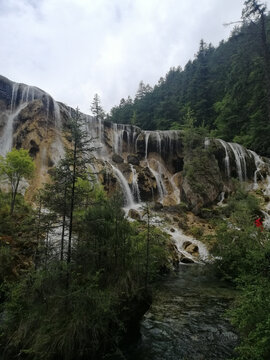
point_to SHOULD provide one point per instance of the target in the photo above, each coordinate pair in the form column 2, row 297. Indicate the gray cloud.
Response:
column 75, row 48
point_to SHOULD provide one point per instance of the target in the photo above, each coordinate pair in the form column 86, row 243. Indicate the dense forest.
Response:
column 75, row 274
column 225, row 89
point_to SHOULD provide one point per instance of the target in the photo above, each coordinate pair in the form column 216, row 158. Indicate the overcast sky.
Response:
column 75, row 48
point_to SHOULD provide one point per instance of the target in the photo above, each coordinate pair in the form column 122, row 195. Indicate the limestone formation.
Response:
column 144, row 165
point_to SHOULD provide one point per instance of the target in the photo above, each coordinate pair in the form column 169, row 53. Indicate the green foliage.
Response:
column 15, row 166
column 196, row 231
column 46, row 320
column 200, row 168
column 78, row 309
column 244, row 259
column 250, row 314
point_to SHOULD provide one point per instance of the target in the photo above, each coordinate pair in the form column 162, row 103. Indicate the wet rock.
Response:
column 186, row 244
column 117, row 159
column 169, row 201
column 147, row 184
column 34, row 148
column 192, row 249
column 157, row 206
column 134, row 214
column 133, row 159
column 186, row 260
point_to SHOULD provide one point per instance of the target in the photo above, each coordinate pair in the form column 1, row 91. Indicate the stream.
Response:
column 186, row 320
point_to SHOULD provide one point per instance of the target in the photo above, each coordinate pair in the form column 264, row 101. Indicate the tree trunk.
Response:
column 147, row 249
column 13, row 196
column 63, row 226
column 72, row 203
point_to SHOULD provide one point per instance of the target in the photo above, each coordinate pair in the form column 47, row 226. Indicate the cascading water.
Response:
column 135, row 186
column 206, row 142
column 176, row 190
column 147, row 135
column 240, row 161
column 227, row 158
column 158, row 138
column 6, row 140
column 157, row 174
column 266, row 221
column 129, row 202
column 259, row 163
column 222, row 197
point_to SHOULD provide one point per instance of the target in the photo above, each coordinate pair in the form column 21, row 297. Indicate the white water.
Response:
column 206, row 142
column 129, row 202
column 176, row 190
column 222, row 196
column 259, row 163
column 135, row 186
column 157, row 174
column 227, row 158
column 239, row 155
column 147, row 135
column 6, row 140
column 117, row 139
column 180, row 238
column 266, row 221
column 158, row 138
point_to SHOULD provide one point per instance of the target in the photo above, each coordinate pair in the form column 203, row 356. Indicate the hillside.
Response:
column 224, row 89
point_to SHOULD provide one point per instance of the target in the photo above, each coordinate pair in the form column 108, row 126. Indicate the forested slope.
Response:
column 225, row 89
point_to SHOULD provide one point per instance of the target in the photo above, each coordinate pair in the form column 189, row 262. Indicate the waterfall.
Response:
column 57, row 148
column 129, row 202
column 6, row 140
column 266, row 221
column 135, row 186
column 206, row 142
column 15, row 88
column 147, row 134
column 227, row 158
column 159, row 181
column 222, row 197
column 117, row 139
column 158, row 138
column 267, row 188
column 258, row 162
column 240, row 160
column 176, row 191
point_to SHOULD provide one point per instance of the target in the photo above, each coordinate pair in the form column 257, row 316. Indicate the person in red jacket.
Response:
column 258, row 223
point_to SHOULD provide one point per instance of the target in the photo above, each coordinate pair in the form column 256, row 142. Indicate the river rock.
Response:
column 133, row 160
column 186, row 260
column 157, row 206
column 192, row 249
column 117, row 159
column 186, row 244
column 134, row 214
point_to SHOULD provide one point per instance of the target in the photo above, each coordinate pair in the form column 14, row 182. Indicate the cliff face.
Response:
column 145, row 165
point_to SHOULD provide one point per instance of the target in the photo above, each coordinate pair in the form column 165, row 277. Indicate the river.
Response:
column 186, row 320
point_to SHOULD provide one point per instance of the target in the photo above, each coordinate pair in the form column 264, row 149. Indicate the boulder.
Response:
column 147, row 184
column 133, row 160
column 134, row 214
column 186, row 244
column 157, row 206
column 117, row 159
column 186, row 260
column 192, row 249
